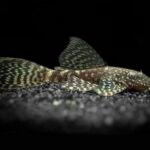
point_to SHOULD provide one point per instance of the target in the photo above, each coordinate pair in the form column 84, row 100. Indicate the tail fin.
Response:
column 19, row 73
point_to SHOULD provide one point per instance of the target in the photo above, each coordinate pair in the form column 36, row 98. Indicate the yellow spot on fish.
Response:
column 63, row 72
column 92, row 74
column 77, row 72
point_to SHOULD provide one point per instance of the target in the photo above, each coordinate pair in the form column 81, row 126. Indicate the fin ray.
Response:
column 109, row 87
column 80, row 55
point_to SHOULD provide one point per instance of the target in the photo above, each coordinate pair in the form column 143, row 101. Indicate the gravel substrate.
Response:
column 50, row 109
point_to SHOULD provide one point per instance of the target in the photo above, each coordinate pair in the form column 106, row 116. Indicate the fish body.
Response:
column 126, row 78
column 81, row 68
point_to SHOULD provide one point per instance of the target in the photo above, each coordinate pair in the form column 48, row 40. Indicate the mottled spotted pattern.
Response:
column 81, row 68
column 79, row 55
column 19, row 73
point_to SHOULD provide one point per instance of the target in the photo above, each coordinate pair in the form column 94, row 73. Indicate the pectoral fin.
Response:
column 76, row 84
column 106, row 87
column 109, row 87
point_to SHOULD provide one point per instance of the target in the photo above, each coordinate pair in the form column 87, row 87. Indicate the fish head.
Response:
column 136, row 78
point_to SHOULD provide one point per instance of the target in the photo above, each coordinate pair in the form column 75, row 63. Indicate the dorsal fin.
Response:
column 80, row 55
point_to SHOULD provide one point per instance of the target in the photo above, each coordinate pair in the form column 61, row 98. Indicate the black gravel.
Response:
column 50, row 109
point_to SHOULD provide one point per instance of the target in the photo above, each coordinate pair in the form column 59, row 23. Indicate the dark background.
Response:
column 40, row 30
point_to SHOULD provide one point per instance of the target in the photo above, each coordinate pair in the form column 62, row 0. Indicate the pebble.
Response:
column 82, row 108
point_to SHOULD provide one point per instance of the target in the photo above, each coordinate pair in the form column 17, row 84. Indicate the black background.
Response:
column 40, row 30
